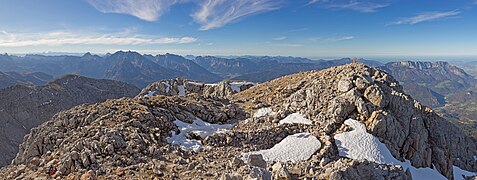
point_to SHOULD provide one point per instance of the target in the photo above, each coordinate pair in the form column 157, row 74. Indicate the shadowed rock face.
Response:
column 126, row 138
column 25, row 107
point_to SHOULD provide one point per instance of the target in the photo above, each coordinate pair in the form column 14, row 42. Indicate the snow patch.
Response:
column 235, row 86
column 360, row 145
column 46, row 103
column 182, row 90
column 295, row 118
column 168, row 86
column 150, row 93
column 195, row 83
column 198, row 127
column 458, row 173
column 263, row 112
column 297, row 147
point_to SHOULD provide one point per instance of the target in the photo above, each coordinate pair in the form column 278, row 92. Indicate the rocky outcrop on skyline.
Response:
column 183, row 87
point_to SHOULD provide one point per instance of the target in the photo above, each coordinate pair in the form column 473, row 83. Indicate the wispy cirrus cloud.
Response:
column 289, row 45
column 210, row 15
column 59, row 38
column 360, row 6
column 148, row 10
column 217, row 13
column 426, row 16
column 340, row 38
column 281, row 38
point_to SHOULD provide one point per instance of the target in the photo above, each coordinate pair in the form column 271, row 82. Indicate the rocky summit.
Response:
column 288, row 128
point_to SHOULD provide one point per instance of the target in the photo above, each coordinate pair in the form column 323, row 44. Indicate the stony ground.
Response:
column 127, row 138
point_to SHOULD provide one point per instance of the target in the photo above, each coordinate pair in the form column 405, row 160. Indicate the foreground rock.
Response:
column 25, row 107
column 126, row 138
column 410, row 130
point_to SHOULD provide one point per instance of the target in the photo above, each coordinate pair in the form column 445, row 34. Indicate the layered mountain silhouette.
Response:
column 142, row 70
column 8, row 79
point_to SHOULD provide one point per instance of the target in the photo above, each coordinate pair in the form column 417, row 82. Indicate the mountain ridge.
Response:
column 130, row 138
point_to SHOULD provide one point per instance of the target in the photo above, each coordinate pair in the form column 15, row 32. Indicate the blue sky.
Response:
column 308, row 28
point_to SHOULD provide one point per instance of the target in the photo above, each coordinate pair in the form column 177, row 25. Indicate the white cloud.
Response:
column 316, row 1
column 296, row 30
column 217, row 13
column 281, row 38
column 427, row 16
column 315, row 39
column 361, row 6
column 59, row 38
column 289, row 45
column 211, row 14
column 148, row 10
column 342, row 38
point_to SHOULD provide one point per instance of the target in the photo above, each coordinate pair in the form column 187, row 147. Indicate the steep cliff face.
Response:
column 286, row 128
column 25, row 107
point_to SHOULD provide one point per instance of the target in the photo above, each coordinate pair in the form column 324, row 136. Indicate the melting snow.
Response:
column 182, row 90
column 195, row 83
column 263, row 112
column 168, row 86
column 149, row 93
column 235, row 86
column 198, row 127
column 293, row 148
column 458, row 172
column 295, row 118
column 358, row 144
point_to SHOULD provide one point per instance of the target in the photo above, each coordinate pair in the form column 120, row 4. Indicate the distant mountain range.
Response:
column 13, row 78
column 429, row 82
column 142, row 70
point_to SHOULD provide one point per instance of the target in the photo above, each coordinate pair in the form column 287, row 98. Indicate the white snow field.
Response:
column 263, row 112
column 359, row 144
column 293, row 148
column 198, row 127
column 295, row 118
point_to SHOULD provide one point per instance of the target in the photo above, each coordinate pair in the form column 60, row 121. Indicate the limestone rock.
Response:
column 345, row 85
column 256, row 160
column 280, row 172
